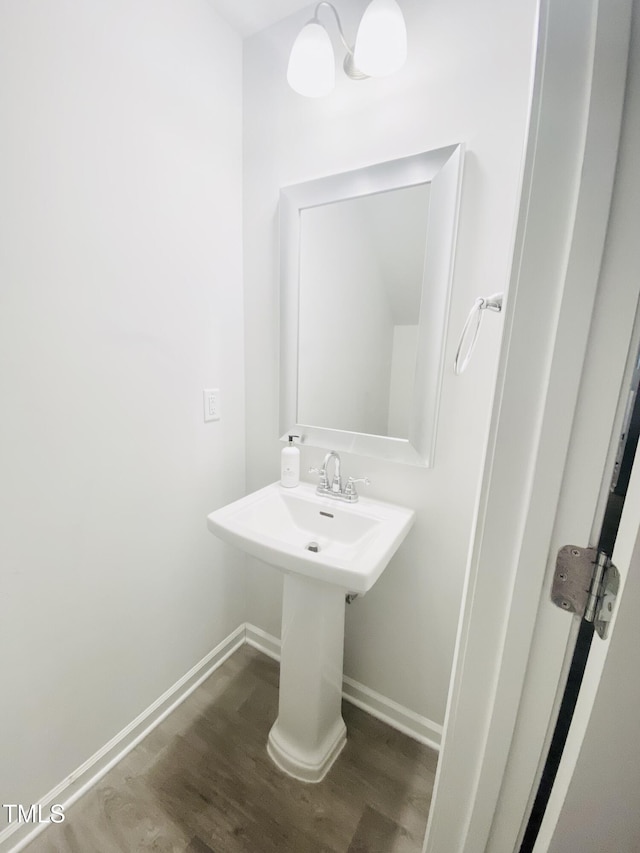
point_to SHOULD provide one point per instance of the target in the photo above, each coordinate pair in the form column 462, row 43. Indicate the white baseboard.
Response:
column 397, row 716
column 265, row 643
column 16, row 836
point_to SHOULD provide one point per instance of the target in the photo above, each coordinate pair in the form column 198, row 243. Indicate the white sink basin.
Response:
column 354, row 541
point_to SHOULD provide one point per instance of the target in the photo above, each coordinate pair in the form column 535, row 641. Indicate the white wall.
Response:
column 456, row 87
column 120, row 299
column 346, row 327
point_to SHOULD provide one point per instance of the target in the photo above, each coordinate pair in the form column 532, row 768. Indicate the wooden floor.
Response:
column 202, row 782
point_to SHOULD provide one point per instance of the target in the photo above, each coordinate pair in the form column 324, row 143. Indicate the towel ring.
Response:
column 472, row 327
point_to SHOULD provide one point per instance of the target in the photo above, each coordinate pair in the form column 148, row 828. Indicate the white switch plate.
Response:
column 211, row 404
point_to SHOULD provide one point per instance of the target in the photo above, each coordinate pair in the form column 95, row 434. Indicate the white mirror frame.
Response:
column 442, row 169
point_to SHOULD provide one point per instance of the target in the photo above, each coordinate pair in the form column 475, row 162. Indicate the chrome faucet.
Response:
column 335, row 490
column 336, row 483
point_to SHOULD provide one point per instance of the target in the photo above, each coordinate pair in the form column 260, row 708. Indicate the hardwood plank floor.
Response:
column 202, row 782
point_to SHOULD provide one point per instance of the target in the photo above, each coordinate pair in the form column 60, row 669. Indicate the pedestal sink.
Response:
column 326, row 549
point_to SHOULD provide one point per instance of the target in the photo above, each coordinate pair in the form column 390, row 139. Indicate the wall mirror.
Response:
column 366, row 266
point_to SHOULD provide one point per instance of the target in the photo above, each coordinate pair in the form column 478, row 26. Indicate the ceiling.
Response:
column 250, row 16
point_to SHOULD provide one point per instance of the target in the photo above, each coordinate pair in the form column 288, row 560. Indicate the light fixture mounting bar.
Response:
column 348, row 65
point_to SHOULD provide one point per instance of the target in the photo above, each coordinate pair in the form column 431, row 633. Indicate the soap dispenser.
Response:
column 290, row 465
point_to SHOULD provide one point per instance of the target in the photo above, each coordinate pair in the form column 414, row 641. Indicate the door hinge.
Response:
column 586, row 582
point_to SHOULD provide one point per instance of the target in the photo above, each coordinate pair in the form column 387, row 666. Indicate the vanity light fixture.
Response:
column 380, row 49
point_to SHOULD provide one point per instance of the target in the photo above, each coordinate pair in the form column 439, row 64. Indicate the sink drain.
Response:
column 312, row 546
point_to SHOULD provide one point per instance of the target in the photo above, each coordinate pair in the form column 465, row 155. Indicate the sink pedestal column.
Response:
column 309, row 733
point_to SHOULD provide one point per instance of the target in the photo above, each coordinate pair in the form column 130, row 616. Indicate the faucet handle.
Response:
column 350, row 488
column 323, row 476
column 364, row 480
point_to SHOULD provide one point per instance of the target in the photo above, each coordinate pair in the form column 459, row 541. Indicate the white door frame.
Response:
column 625, row 557
column 618, row 291
column 528, row 503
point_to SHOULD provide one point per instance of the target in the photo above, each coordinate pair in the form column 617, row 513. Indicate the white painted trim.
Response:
column 16, row 836
column 263, row 642
column 613, row 325
column 397, row 716
column 626, row 549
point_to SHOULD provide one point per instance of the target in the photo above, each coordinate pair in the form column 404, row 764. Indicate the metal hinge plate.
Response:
column 586, row 582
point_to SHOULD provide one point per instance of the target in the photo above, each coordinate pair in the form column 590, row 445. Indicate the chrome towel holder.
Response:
column 472, row 327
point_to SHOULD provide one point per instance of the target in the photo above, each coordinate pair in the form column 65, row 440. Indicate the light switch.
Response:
column 211, row 404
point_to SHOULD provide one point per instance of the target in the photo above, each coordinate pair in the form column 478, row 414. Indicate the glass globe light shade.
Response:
column 312, row 70
column 381, row 43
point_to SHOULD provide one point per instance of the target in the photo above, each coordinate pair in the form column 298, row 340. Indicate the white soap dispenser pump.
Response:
column 290, row 465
